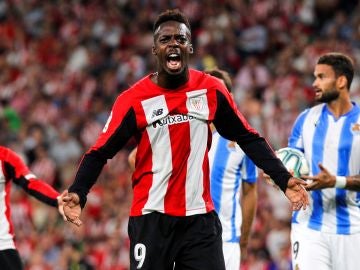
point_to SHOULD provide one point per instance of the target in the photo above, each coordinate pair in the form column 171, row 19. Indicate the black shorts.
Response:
column 10, row 260
column 162, row 242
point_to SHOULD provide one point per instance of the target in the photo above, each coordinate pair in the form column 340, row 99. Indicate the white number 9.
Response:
column 139, row 254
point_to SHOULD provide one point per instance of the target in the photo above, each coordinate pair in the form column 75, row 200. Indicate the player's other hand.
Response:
column 322, row 180
column 61, row 204
column 297, row 193
column 72, row 209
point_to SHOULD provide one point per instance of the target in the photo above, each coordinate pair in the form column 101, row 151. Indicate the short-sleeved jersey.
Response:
column 13, row 169
column 336, row 144
column 229, row 166
column 171, row 127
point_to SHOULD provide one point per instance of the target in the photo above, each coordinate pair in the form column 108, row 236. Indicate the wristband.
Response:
column 340, row 182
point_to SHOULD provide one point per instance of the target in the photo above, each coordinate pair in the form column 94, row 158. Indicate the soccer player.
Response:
column 327, row 234
column 14, row 169
column 233, row 178
column 172, row 217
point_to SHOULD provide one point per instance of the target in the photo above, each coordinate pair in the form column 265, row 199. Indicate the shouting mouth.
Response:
column 173, row 61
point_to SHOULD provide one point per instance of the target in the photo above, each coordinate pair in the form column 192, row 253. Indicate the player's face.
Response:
column 325, row 84
column 172, row 46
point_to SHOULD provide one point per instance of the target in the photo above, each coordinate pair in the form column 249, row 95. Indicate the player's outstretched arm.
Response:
column 297, row 194
column 72, row 208
column 324, row 179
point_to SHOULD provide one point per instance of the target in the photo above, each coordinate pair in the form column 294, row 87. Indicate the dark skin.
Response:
column 172, row 39
column 172, row 47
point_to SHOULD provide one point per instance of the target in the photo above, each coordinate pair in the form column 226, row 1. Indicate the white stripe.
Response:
column 197, row 106
column 162, row 168
column 156, row 108
column 194, row 176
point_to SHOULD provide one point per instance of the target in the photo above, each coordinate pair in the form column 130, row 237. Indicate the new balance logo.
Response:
column 157, row 112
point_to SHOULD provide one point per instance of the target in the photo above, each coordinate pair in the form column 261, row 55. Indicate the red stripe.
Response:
column 43, row 188
column 175, row 197
column 144, row 172
column 206, row 185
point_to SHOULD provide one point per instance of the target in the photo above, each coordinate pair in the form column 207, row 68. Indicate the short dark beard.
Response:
column 329, row 96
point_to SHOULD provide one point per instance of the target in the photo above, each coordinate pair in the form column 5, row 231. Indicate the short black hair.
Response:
column 171, row 15
column 342, row 65
column 222, row 75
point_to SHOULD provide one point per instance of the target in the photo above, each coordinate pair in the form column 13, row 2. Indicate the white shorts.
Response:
column 323, row 251
column 231, row 255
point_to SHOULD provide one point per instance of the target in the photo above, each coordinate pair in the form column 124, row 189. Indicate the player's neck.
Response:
column 340, row 106
column 167, row 81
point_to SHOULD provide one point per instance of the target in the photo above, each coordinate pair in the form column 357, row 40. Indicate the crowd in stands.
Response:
column 62, row 64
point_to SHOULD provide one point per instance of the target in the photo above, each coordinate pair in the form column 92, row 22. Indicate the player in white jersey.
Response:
column 327, row 234
column 232, row 180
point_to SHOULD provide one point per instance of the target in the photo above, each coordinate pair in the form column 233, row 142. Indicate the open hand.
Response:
column 297, row 193
column 72, row 209
column 322, row 180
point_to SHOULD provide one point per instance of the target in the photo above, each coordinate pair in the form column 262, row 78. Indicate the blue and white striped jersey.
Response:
column 228, row 167
column 336, row 144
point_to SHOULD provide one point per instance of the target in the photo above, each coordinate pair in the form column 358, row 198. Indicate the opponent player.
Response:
column 327, row 235
column 233, row 178
column 172, row 217
column 13, row 169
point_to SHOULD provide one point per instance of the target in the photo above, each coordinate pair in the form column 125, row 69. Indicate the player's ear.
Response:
column 342, row 82
column 191, row 49
column 153, row 50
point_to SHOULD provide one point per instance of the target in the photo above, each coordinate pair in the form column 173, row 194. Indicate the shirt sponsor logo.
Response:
column 172, row 119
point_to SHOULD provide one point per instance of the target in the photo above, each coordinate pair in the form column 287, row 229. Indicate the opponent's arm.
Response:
column 248, row 208
column 131, row 159
column 324, row 179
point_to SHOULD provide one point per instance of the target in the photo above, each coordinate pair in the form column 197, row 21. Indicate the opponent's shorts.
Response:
column 323, row 251
column 232, row 255
column 163, row 242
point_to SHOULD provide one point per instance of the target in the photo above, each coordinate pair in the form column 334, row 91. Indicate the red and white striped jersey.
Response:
column 173, row 135
column 13, row 169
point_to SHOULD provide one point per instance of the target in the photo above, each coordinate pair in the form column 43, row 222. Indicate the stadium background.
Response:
column 62, row 63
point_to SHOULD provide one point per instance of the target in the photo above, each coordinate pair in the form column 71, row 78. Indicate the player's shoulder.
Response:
column 314, row 111
column 208, row 81
column 6, row 153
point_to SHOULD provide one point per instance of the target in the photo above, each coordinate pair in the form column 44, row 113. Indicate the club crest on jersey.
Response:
column 355, row 128
column 197, row 103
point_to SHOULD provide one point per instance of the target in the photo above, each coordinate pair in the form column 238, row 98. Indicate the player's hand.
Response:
column 61, row 204
column 297, row 193
column 323, row 180
column 72, row 209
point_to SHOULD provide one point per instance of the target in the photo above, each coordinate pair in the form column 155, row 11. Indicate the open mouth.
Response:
column 173, row 61
column 317, row 92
